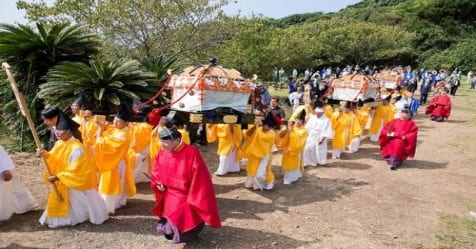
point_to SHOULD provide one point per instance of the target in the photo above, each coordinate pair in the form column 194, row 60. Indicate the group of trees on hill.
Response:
column 118, row 51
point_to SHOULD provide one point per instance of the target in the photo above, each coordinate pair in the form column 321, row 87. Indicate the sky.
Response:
column 269, row 8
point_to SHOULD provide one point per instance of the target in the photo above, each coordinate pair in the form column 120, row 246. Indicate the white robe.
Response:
column 141, row 166
column 114, row 202
column 83, row 205
column 227, row 163
column 14, row 196
column 317, row 128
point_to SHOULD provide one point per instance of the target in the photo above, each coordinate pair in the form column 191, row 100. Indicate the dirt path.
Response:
column 356, row 202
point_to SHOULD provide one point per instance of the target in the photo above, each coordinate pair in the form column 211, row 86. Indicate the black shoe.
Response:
column 394, row 168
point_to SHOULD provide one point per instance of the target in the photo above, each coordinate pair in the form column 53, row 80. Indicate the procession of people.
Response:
column 95, row 164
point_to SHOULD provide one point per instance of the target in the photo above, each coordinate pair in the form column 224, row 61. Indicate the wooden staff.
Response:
column 26, row 113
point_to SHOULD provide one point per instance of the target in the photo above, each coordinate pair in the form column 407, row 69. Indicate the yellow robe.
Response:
column 185, row 135
column 110, row 149
column 346, row 127
column 88, row 131
column 363, row 115
column 382, row 113
column 292, row 144
column 393, row 111
column 154, row 144
column 259, row 144
column 307, row 108
column 78, row 174
column 328, row 111
column 77, row 119
column 140, row 133
column 140, row 139
column 227, row 139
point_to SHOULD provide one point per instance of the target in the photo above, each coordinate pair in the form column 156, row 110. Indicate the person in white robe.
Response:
column 14, row 196
column 319, row 130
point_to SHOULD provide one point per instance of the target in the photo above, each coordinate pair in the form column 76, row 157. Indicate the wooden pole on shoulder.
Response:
column 26, row 113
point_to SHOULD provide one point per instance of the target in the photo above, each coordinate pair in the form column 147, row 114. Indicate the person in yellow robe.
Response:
column 308, row 110
column 154, row 143
column 74, row 176
column 292, row 141
column 228, row 137
column 88, row 129
column 78, row 105
column 176, row 120
column 346, row 130
column 111, row 154
column 258, row 150
column 363, row 114
column 139, row 151
column 380, row 117
column 328, row 109
column 393, row 103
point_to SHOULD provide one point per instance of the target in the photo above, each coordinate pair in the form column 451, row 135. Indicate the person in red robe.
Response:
column 398, row 140
column 185, row 197
column 439, row 107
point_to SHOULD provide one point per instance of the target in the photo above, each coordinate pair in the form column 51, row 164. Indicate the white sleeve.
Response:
column 6, row 162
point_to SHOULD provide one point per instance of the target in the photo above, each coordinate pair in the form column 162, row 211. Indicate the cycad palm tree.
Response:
column 32, row 52
column 105, row 85
column 160, row 65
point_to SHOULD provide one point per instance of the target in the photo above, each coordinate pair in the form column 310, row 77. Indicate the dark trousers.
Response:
column 453, row 90
column 423, row 97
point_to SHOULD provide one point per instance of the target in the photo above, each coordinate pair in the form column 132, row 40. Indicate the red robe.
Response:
column 403, row 144
column 439, row 106
column 189, row 198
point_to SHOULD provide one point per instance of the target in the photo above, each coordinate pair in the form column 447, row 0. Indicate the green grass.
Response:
column 458, row 232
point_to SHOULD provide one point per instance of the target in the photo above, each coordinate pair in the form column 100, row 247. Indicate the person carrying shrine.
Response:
column 74, row 176
column 292, row 141
column 228, row 137
column 111, row 155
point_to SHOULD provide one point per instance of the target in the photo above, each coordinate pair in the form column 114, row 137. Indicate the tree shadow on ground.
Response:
column 311, row 189
column 347, row 165
column 134, row 224
column 222, row 189
column 423, row 128
column 143, row 188
column 366, row 152
column 17, row 246
column 420, row 164
column 452, row 121
column 244, row 238
column 23, row 223
column 135, row 206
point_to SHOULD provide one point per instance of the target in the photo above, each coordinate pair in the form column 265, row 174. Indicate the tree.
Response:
column 105, row 84
column 248, row 49
column 462, row 56
column 31, row 52
column 142, row 28
column 353, row 43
